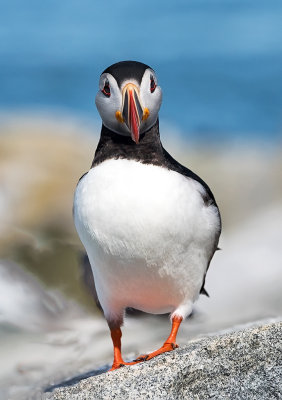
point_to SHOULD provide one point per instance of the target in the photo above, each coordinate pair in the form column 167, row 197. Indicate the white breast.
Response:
column 147, row 233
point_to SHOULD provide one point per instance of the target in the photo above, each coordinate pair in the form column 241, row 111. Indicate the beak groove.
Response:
column 132, row 111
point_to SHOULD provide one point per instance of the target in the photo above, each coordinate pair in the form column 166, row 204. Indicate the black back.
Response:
column 126, row 70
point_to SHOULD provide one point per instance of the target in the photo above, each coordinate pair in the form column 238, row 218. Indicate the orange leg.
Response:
column 168, row 345
column 118, row 360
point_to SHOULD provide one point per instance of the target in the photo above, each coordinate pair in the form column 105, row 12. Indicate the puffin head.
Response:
column 129, row 98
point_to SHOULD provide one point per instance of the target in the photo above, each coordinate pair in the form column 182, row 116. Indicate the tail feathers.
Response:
column 203, row 291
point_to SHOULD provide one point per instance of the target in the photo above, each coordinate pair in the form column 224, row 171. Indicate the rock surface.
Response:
column 246, row 364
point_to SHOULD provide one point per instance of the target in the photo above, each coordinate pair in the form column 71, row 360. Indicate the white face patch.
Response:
column 150, row 100
column 108, row 105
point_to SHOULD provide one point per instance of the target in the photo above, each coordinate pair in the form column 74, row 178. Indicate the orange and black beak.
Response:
column 132, row 111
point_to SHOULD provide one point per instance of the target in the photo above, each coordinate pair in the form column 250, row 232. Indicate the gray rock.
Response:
column 245, row 364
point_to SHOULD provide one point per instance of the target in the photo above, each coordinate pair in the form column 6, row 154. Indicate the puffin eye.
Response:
column 152, row 84
column 106, row 90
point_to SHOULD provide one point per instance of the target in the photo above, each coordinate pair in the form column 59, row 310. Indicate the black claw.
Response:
column 144, row 358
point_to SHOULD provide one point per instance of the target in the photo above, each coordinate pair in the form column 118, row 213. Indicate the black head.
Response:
column 126, row 70
column 129, row 98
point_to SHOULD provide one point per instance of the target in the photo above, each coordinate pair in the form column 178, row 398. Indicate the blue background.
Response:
column 219, row 62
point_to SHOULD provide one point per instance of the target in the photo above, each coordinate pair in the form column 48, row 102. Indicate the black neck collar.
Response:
column 111, row 145
column 149, row 150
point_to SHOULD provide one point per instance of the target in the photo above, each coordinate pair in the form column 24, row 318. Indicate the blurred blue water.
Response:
column 219, row 62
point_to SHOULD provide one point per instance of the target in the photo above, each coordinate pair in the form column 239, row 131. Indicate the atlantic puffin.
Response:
column 150, row 226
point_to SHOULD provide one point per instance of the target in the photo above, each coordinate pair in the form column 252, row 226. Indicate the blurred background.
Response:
column 219, row 63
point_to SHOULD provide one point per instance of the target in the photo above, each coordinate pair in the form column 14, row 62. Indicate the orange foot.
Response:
column 169, row 345
column 164, row 349
column 117, row 365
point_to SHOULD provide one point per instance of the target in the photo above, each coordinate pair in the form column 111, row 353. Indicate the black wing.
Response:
column 208, row 199
column 174, row 165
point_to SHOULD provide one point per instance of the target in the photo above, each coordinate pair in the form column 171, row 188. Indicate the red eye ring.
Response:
column 152, row 84
column 106, row 89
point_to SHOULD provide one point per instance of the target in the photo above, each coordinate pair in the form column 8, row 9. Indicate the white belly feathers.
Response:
column 147, row 233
